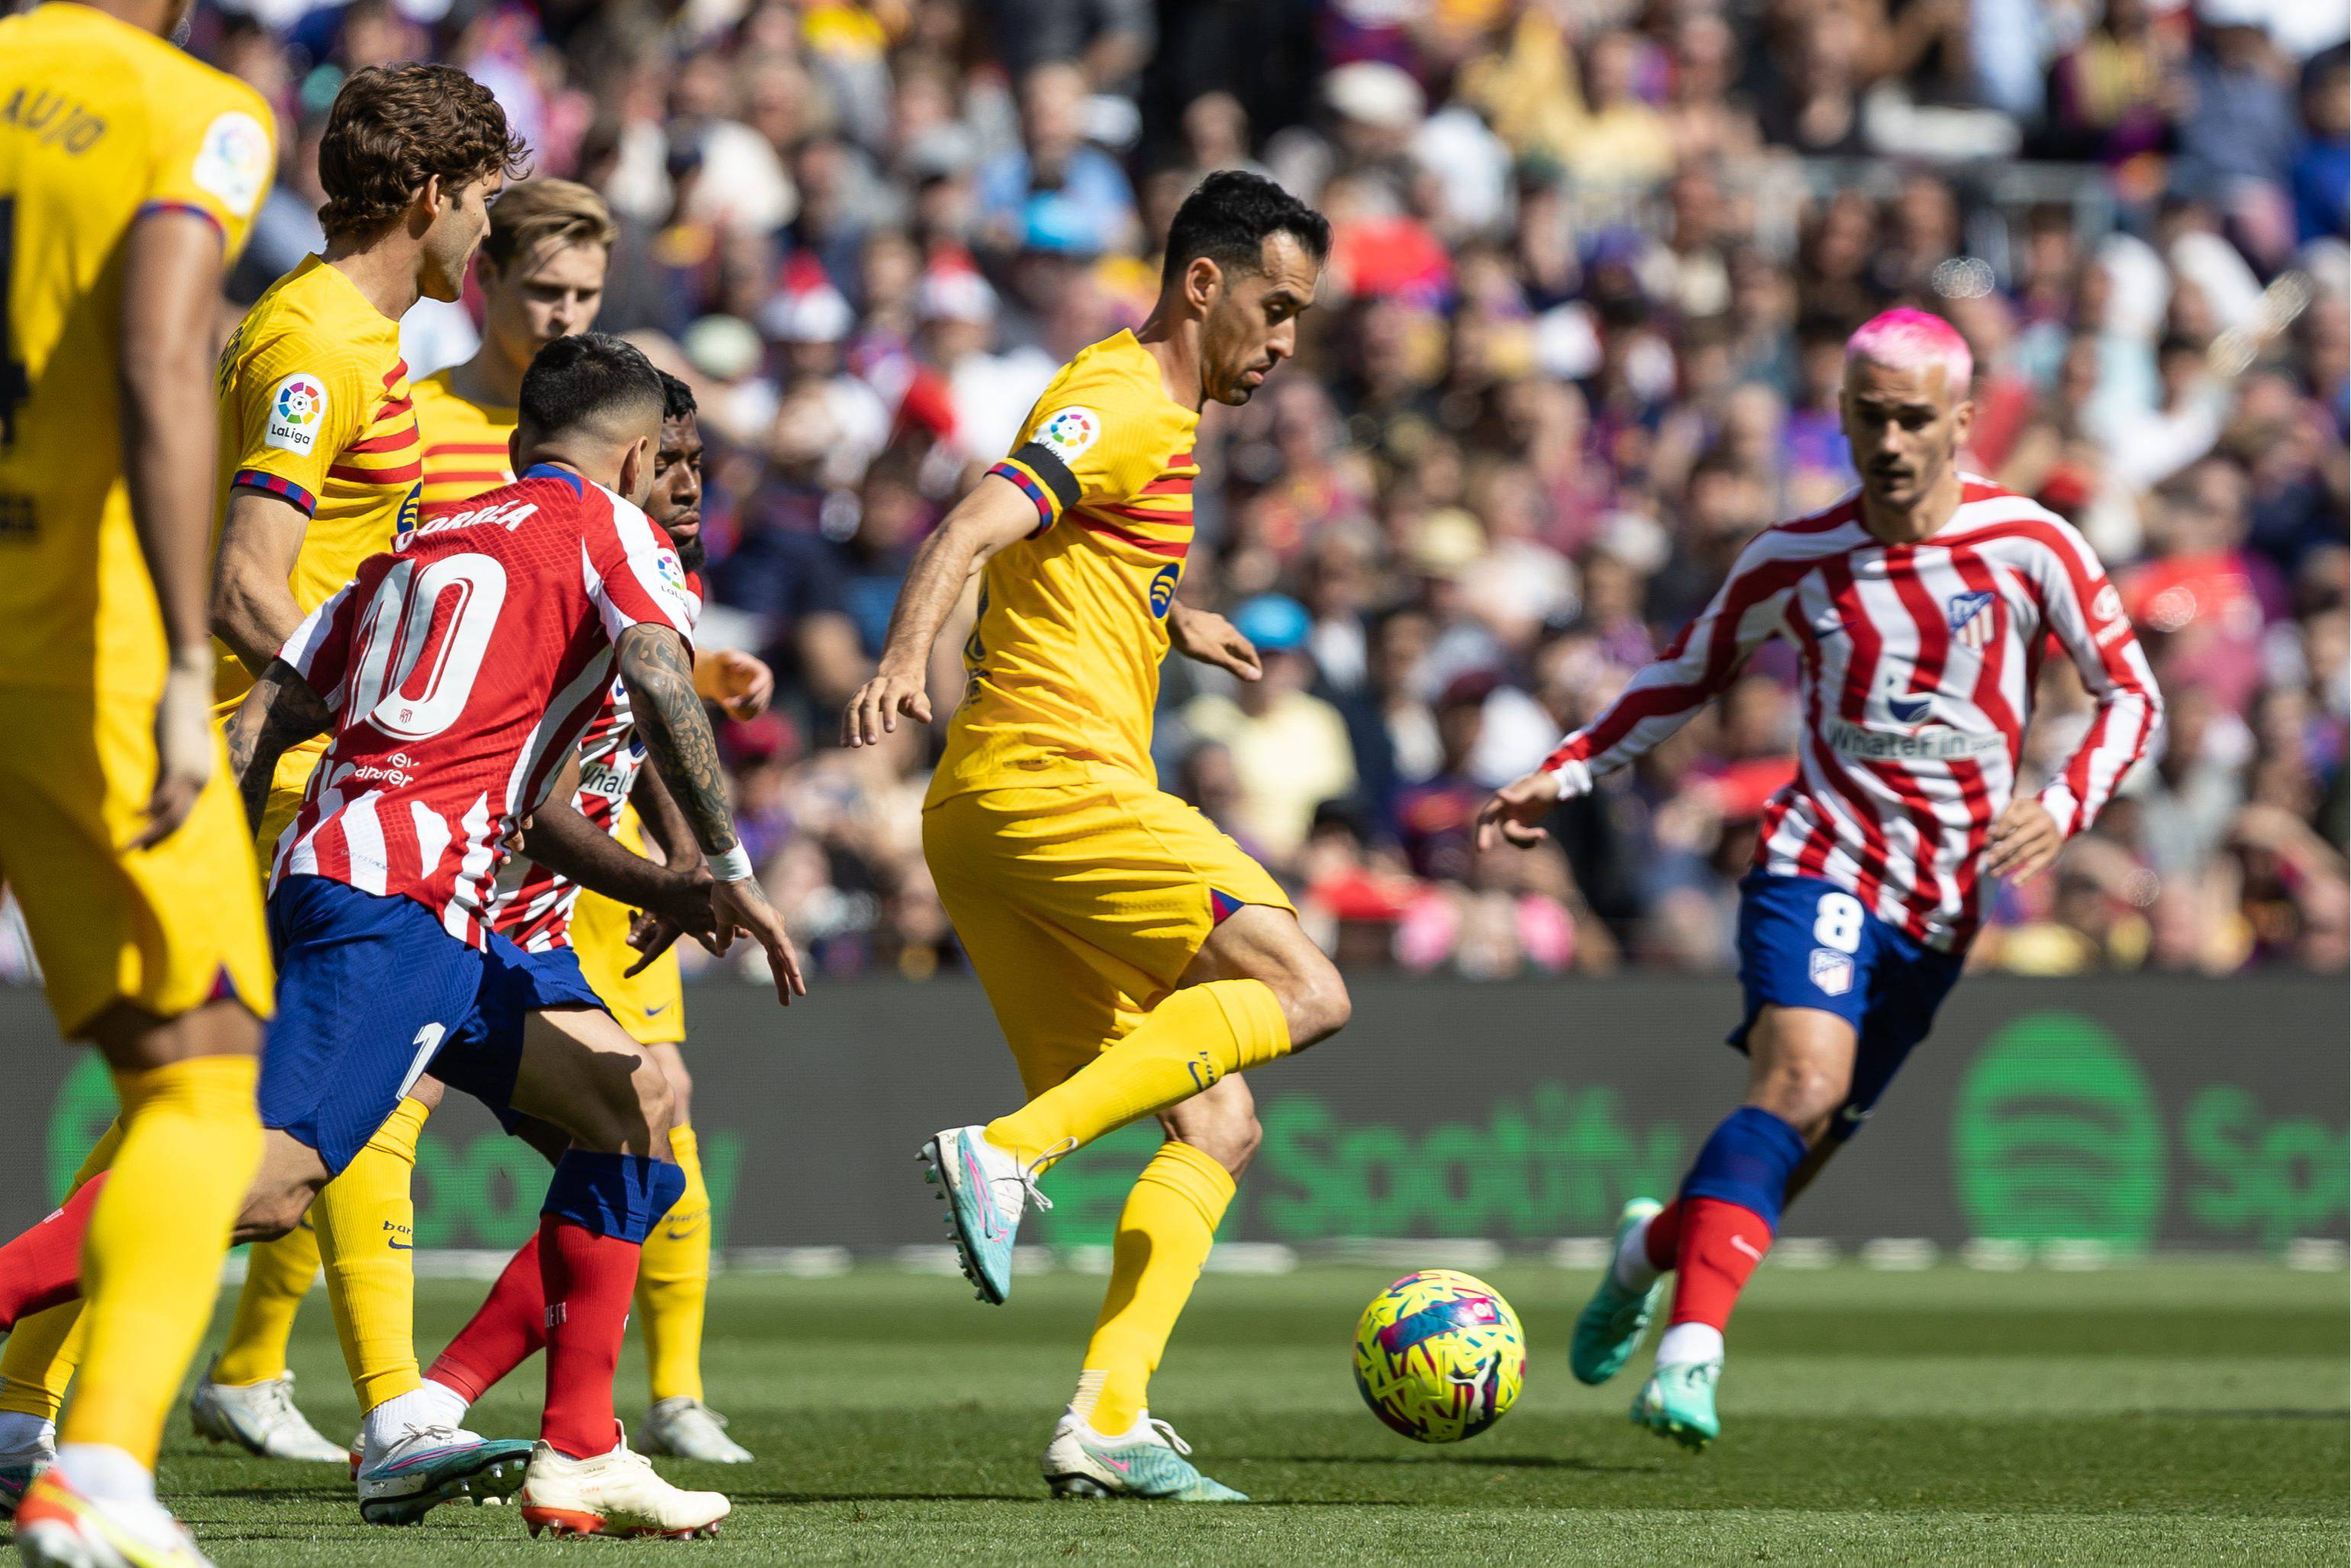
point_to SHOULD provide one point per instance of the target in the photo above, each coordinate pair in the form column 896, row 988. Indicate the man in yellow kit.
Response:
column 1134, row 955
column 320, row 466
column 542, row 277
column 129, row 174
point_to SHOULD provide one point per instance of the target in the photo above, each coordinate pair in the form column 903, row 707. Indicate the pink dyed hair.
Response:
column 1914, row 340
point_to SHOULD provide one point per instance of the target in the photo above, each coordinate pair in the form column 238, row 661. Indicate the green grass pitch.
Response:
column 2190, row 1414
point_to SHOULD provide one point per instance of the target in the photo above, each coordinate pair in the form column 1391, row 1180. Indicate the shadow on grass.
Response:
column 1466, row 1462
column 2336, row 1417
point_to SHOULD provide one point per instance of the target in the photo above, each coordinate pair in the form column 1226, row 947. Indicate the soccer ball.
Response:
column 1440, row 1356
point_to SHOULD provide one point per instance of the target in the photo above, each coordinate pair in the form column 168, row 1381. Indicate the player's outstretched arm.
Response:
column 994, row 515
column 658, row 673
column 173, row 262
column 278, row 711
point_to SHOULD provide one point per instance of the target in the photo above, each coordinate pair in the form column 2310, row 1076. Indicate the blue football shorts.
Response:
column 373, row 994
column 1807, row 943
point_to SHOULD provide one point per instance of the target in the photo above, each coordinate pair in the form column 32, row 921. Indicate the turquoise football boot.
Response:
column 987, row 1189
column 429, row 1466
column 1677, row 1402
column 1149, row 1462
column 1610, row 1327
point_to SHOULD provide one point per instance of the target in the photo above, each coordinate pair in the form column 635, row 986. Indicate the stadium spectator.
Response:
column 1578, row 344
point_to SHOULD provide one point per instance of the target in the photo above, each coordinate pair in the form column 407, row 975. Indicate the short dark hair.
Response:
column 677, row 398
column 1228, row 218
column 588, row 378
column 394, row 126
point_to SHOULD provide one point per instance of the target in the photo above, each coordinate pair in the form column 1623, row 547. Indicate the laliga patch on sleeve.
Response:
column 674, row 587
column 297, row 408
column 1069, row 432
column 233, row 162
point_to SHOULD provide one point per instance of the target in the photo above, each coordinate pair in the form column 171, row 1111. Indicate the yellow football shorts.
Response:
column 652, row 1005
column 166, row 928
column 1081, row 907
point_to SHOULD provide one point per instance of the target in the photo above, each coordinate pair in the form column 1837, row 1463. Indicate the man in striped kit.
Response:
column 1920, row 607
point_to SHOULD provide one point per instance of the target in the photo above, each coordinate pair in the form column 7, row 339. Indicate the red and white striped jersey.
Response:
column 1918, row 668
column 535, row 904
column 461, row 669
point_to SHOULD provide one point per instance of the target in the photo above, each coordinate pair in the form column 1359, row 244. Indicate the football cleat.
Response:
column 260, row 1418
column 1677, row 1402
column 57, row 1527
column 1610, row 1327
column 686, row 1428
column 614, row 1493
column 1150, row 1461
column 986, row 1189
column 429, row 1466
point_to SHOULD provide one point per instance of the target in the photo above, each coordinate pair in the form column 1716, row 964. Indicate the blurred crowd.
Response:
column 1580, row 338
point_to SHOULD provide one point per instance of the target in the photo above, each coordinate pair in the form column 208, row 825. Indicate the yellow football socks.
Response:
column 278, row 1275
column 366, row 1220
column 151, row 1260
column 673, row 1282
column 1190, row 1040
column 38, row 1366
column 1164, row 1236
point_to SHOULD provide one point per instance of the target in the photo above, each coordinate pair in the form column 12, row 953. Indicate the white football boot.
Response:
column 61, row 1527
column 686, row 1428
column 260, row 1418
column 614, row 1493
column 1148, row 1460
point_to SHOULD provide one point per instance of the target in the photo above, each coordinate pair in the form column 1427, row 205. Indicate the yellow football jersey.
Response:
column 100, row 122
column 464, row 441
column 315, row 408
column 1062, row 669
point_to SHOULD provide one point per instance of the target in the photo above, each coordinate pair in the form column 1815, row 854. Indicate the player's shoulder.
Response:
column 186, row 93
column 1118, row 376
column 2003, row 518
column 315, row 310
column 1829, row 531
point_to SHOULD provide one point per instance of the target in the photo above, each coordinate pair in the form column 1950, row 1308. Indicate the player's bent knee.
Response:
column 1317, row 1005
column 1230, row 1141
column 1802, row 1095
column 272, row 1213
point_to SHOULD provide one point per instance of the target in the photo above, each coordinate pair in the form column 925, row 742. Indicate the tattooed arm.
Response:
column 658, row 673
column 279, row 711
column 569, row 844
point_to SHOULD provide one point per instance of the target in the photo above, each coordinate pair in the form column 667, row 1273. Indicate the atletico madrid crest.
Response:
column 1972, row 622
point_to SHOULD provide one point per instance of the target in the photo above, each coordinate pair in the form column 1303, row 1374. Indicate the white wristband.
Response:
column 735, row 865
column 1573, row 779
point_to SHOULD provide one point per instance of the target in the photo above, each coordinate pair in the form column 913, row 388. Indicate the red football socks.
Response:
column 1721, row 1243
column 510, row 1325
column 42, row 1267
column 1663, row 1240
column 588, row 1281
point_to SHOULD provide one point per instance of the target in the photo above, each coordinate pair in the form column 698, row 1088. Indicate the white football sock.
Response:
column 106, row 1473
column 1632, row 1267
column 433, row 1404
column 1686, row 1342
column 19, row 1432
